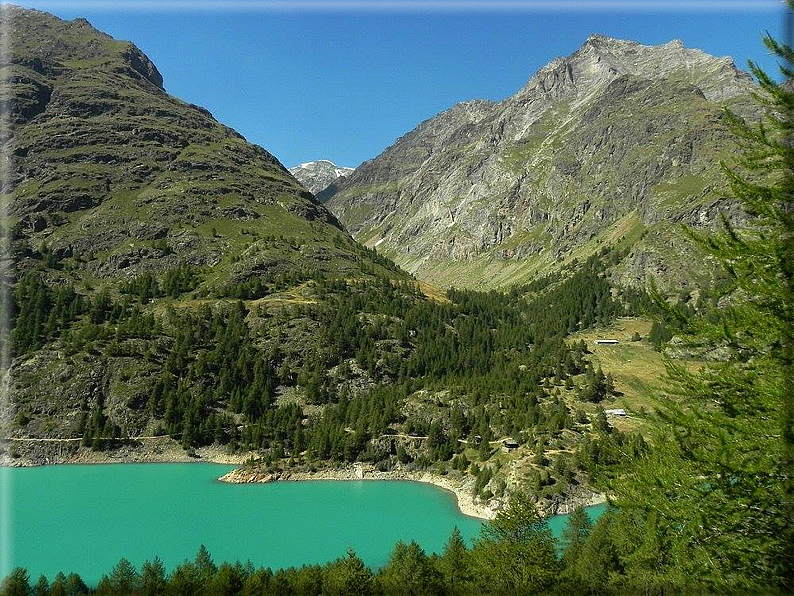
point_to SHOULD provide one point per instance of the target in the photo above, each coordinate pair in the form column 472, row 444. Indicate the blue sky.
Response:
column 342, row 84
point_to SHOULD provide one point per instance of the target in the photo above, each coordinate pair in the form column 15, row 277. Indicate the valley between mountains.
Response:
column 178, row 294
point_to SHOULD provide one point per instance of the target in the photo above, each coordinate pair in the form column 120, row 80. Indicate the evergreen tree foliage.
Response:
column 410, row 572
column 42, row 587
column 123, row 579
column 577, row 529
column 516, row 553
column 710, row 506
column 16, row 583
column 592, row 570
column 455, row 564
column 348, row 575
column 153, row 577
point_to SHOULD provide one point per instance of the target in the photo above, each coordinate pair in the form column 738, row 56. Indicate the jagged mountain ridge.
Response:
column 319, row 175
column 617, row 140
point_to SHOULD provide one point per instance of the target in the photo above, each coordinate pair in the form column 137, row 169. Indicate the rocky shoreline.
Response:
column 461, row 490
column 459, row 485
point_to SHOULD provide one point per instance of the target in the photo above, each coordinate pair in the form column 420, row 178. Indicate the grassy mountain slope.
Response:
column 117, row 178
column 121, row 194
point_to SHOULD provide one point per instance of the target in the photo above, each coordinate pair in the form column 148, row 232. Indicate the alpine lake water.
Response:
column 84, row 518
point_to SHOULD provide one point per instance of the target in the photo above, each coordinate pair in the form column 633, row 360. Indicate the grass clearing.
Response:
column 637, row 369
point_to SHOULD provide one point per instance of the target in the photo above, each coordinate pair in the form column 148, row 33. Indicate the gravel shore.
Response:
column 461, row 488
column 460, row 485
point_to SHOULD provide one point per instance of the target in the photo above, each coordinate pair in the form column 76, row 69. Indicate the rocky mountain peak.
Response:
column 604, row 42
column 601, row 59
column 318, row 175
column 34, row 45
column 616, row 136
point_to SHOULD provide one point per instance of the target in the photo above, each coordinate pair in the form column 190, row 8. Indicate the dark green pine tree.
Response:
column 42, row 587
column 228, row 579
column 16, row 583
column 153, row 577
column 123, row 579
column 577, row 529
column 516, row 553
column 348, row 575
column 455, row 564
column 410, row 572
column 710, row 507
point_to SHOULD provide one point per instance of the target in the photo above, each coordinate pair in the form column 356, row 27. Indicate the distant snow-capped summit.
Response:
column 318, row 175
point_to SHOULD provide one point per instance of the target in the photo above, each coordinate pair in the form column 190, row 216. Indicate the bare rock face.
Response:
column 613, row 141
column 319, row 175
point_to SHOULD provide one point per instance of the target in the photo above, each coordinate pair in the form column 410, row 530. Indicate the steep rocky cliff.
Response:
column 619, row 141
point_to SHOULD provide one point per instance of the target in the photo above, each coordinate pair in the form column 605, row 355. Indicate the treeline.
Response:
column 175, row 282
column 44, row 314
column 267, row 282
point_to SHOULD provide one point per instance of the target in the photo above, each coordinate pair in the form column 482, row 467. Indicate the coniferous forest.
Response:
column 306, row 367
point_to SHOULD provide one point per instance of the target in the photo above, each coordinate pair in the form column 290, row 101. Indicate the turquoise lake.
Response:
column 85, row 518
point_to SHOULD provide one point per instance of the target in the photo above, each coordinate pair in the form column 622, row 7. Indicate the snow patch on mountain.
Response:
column 318, row 175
